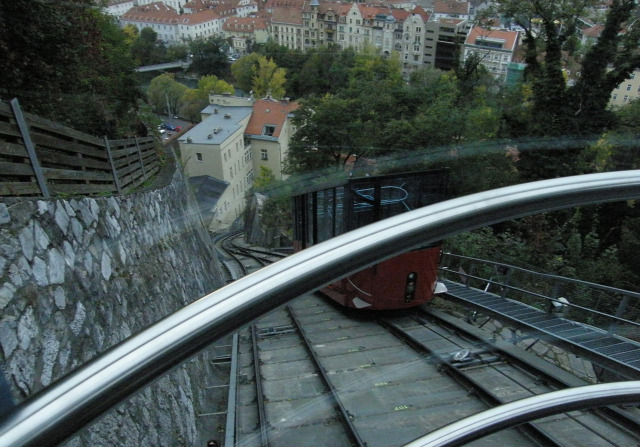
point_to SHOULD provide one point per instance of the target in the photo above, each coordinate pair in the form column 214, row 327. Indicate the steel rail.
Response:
column 262, row 414
column 232, row 396
column 534, row 432
column 60, row 410
column 352, row 432
column 528, row 409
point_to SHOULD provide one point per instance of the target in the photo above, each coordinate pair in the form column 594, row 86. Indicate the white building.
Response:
column 217, row 148
column 117, row 8
column 174, row 28
column 626, row 91
column 496, row 48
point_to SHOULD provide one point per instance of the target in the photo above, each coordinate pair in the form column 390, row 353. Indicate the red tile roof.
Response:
column 510, row 38
column 271, row 112
column 244, row 24
column 451, row 7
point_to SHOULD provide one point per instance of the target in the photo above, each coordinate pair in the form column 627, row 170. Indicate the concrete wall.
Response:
column 79, row 275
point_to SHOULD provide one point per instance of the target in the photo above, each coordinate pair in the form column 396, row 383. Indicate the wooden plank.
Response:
column 9, row 130
column 71, row 147
column 13, row 149
column 44, row 125
column 8, row 168
column 122, row 163
column 127, row 170
column 19, row 189
column 124, row 152
column 68, row 174
column 48, row 158
column 149, row 150
column 83, row 189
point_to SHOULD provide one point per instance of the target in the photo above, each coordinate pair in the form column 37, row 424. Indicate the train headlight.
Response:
column 410, row 287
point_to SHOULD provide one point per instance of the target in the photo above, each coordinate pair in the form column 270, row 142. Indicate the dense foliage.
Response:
column 492, row 135
column 69, row 62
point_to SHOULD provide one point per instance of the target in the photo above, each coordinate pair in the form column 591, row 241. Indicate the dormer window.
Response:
column 268, row 130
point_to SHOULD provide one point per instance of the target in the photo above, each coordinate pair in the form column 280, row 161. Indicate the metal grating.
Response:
column 616, row 353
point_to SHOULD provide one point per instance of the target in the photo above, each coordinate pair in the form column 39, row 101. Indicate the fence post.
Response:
column 31, row 150
column 144, row 173
column 113, row 165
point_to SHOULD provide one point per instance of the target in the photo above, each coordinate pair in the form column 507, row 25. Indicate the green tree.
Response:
column 323, row 138
column 557, row 108
column 165, row 94
column 264, row 179
column 131, row 33
column 244, row 70
column 194, row 100
column 69, row 62
column 145, row 48
column 209, row 56
column 269, row 79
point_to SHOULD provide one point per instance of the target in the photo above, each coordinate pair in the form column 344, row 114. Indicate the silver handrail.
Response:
column 528, row 409
column 57, row 412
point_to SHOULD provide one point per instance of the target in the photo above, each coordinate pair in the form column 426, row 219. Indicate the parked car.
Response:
column 178, row 128
column 169, row 126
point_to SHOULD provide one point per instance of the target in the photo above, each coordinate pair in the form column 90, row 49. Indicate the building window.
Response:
column 263, row 154
column 628, row 87
column 268, row 130
column 199, row 156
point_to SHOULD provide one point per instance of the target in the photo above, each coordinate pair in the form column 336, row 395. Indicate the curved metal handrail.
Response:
column 57, row 412
column 528, row 409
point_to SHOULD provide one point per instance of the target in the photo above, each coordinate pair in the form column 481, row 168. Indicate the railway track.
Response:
column 332, row 376
column 312, row 374
column 239, row 259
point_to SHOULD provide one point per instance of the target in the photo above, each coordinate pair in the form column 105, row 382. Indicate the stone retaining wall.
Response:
column 79, row 275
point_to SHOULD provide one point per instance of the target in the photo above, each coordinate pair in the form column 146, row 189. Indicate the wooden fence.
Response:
column 41, row 158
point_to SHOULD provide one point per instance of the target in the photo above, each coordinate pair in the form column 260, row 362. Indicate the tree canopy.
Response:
column 68, row 61
column 581, row 108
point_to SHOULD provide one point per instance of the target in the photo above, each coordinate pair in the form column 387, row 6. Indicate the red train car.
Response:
column 407, row 280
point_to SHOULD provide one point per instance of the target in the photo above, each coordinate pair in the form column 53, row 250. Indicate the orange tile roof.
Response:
column 291, row 16
column 419, row 10
column 285, row 3
column 250, row 24
column 271, row 112
column 593, row 31
column 451, row 7
column 152, row 12
column 510, row 37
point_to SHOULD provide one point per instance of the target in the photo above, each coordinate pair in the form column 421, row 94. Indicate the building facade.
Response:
column 269, row 132
column 217, row 148
column 627, row 91
column 495, row 48
column 236, row 137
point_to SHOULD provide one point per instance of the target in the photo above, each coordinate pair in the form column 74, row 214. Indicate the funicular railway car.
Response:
column 407, row 280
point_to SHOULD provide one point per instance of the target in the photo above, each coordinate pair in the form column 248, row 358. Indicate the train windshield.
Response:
column 376, row 198
column 325, row 213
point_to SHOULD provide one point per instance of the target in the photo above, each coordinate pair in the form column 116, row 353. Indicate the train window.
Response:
column 309, row 213
column 325, row 215
column 363, row 206
column 396, row 196
column 339, row 219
